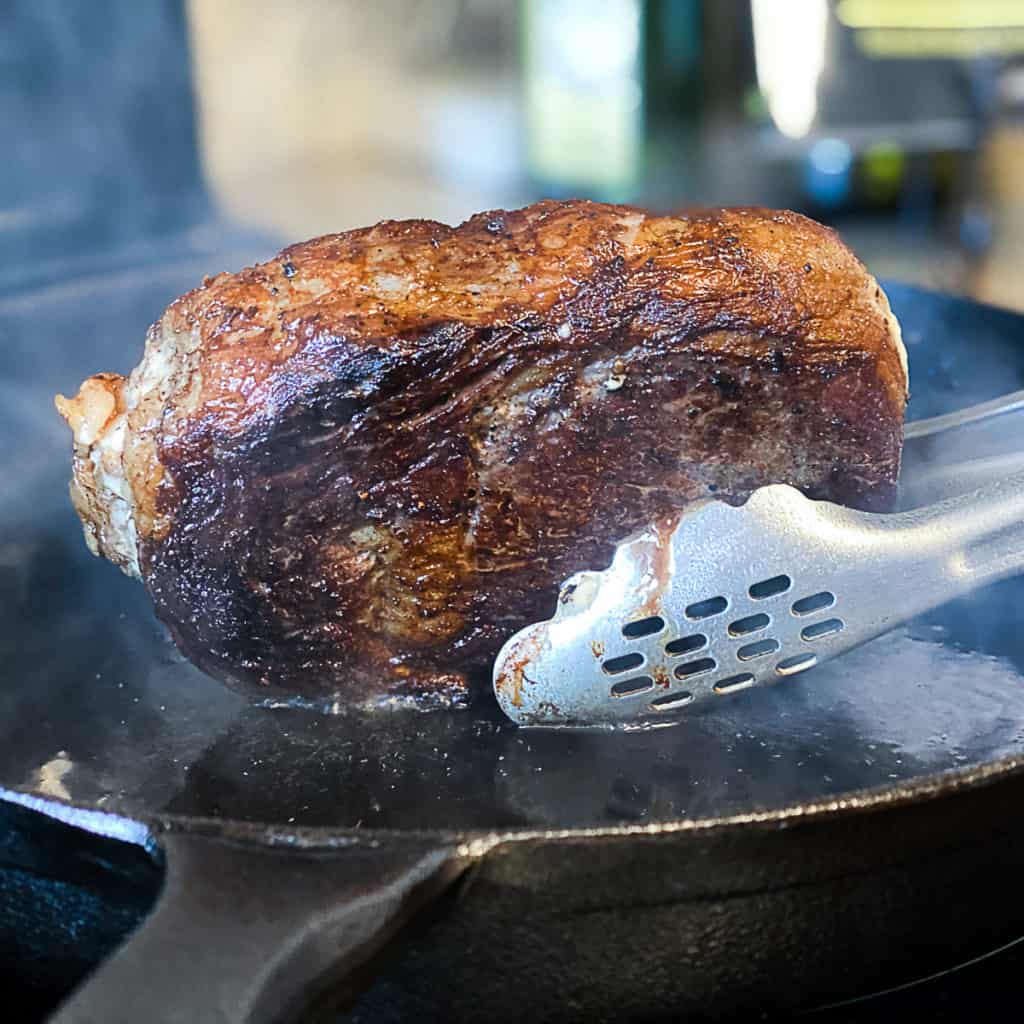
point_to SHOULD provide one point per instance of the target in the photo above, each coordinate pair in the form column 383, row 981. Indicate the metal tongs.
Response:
column 723, row 598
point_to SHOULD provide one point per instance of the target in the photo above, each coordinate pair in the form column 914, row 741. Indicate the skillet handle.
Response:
column 244, row 932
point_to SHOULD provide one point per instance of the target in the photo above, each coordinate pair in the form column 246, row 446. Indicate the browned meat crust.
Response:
column 356, row 469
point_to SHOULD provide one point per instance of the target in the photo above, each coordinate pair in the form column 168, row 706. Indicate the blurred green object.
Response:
column 882, row 170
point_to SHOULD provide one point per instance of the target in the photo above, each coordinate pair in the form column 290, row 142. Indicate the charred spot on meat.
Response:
column 357, row 469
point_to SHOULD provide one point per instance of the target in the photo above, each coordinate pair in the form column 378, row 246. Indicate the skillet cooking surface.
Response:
column 97, row 707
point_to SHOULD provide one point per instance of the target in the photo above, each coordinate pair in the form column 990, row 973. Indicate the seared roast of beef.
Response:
column 355, row 470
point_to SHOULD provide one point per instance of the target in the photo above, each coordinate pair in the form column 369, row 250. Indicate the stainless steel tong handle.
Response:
column 945, row 455
column 925, row 483
column 973, row 415
column 973, row 539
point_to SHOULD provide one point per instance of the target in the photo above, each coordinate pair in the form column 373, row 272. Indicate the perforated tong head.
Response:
column 724, row 598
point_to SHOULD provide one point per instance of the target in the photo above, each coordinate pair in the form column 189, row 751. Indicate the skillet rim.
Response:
column 145, row 829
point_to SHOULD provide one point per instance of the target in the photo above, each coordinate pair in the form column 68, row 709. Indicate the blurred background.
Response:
column 140, row 132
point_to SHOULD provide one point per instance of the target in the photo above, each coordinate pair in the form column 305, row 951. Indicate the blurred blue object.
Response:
column 828, row 172
column 975, row 229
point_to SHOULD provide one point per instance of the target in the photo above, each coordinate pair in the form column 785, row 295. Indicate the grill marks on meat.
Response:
column 356, row 469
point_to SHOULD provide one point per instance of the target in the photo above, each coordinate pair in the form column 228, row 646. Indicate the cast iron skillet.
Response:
column 845, row 831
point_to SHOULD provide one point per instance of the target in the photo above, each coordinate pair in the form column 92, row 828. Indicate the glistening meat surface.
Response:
column 356, row 469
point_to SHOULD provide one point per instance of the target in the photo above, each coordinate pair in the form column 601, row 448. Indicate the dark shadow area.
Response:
column 67, row 900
